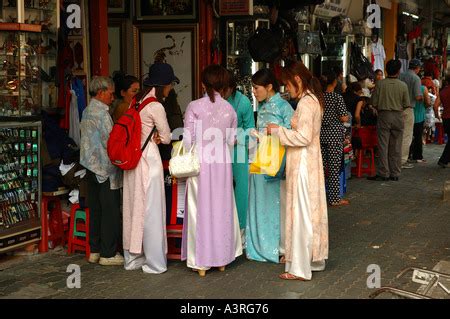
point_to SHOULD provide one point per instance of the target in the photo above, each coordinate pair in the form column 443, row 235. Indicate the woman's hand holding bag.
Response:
column 269, row 156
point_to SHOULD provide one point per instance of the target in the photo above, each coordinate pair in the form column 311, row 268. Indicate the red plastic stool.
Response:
column 365, row 164
column 439, row 134
column 79, row 232
column 54, row 223
column 365, row 156
column 173, row 230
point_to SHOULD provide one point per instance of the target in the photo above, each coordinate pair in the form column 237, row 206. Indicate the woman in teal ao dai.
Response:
column 246, row 122
column 266, row 206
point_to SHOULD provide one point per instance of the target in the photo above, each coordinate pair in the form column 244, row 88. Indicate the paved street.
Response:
column 391, row 224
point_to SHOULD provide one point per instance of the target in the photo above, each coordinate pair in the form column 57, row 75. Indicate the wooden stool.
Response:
column 55, row 222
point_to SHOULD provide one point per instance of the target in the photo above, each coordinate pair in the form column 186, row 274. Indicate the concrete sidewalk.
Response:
column 390, row 224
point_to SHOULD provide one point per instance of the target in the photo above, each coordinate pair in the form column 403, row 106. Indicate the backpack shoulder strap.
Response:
column 148, row 138
column 139, row 108
column 141, row 104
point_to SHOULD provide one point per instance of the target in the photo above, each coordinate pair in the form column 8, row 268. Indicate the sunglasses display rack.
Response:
column 20, row 184
column 28, row 54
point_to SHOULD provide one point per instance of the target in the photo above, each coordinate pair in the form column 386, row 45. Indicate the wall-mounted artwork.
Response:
column 119, row 8
column 116, row 48
column 173, row 44
column 166, row 9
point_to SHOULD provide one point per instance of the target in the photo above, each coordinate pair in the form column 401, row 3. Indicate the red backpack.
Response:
column 124, row 143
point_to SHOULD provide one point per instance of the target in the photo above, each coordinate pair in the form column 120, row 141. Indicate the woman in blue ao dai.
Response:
column 267, row 195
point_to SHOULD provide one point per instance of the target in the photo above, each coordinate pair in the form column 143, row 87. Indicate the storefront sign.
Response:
column 332, row 8
column 235, row 7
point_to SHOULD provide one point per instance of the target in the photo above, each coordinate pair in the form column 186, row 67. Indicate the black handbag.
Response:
column 264, row 46
column 360, row 66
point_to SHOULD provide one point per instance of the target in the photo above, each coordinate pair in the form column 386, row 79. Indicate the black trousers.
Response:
column 104, row 206
column 445, row 157
column 332, row 157
column 416, row 150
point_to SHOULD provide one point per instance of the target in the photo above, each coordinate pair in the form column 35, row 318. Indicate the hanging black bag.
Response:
column 360, row 66
column 264, row 46
column 336, row 25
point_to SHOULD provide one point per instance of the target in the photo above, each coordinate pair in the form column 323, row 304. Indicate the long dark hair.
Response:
column 327, row 79
column 159, row 90
column 232, row 83
column 215, row 78
column 265, row 77
column 354, row 87
column 309, row 82
column 122, row 81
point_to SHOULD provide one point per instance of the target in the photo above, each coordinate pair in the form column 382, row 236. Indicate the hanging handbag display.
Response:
column 184, row 165
column 264, row 46
column 360, row 66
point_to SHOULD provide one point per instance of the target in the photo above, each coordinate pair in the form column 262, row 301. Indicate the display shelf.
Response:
column 238, row 59
column 28, row 52
column 25, row 233
column 20, row 27
column 332, row 58
column 20, row 183
column 41, row 10
column 337, row 53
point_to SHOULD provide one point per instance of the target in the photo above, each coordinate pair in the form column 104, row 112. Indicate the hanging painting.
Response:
column 166, row 9
column 173, row 44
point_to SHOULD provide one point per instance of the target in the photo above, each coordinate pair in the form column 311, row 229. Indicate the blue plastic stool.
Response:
column 343, row 183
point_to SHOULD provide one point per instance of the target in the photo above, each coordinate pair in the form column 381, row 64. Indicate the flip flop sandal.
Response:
column 343, row 202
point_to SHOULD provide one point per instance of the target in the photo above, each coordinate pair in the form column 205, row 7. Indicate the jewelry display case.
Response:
column 20, row 184
column 28, row 52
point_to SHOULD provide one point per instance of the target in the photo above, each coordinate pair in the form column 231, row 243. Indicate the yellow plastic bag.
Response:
column 269, row 156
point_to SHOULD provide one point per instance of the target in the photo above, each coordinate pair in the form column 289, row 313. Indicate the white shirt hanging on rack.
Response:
column 379, row 55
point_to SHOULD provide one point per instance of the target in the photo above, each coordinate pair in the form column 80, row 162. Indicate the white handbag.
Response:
column 185, row 165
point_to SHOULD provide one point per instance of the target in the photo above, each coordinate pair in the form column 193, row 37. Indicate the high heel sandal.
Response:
column 202, row 273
